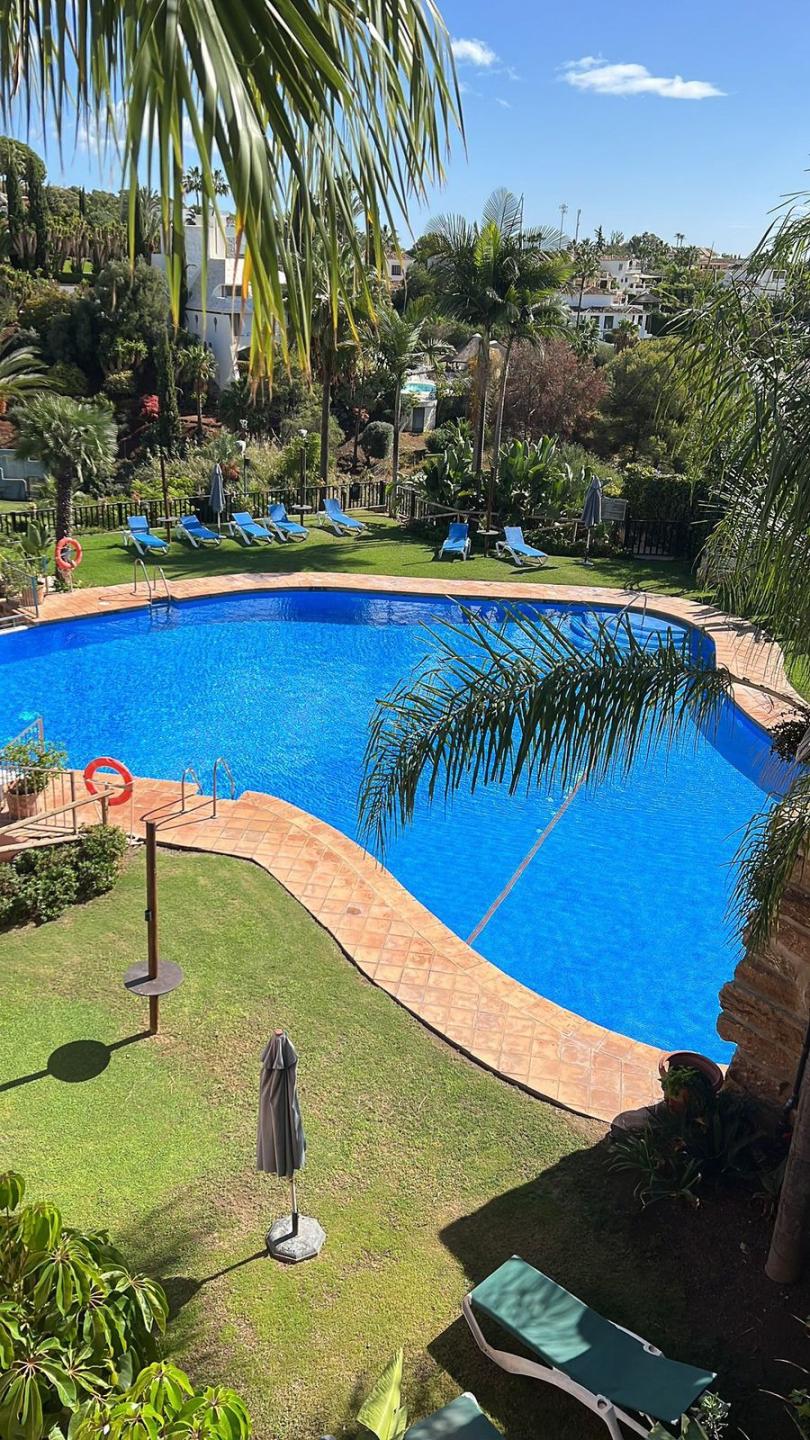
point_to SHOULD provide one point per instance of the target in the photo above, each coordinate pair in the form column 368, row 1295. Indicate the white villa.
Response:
column 397, row 264
column 219, row 318
column 608, row 310
column 626, row 275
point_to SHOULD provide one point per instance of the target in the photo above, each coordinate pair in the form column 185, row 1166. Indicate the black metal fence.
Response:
column 113, row 514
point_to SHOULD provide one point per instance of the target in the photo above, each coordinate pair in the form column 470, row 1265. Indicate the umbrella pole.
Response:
column 294, row 1207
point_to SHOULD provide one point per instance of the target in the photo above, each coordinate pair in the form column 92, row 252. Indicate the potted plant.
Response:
column 26, row 767
column 689, row 1081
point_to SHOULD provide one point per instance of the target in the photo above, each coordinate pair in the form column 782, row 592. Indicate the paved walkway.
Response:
column 388, row 934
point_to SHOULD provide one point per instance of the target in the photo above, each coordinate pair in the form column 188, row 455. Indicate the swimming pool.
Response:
column 620, row 916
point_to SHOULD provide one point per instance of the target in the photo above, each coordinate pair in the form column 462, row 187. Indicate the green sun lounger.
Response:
column 462, row 1419
column 619, row 1376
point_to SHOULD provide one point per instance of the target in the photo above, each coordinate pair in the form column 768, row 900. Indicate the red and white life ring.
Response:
column 105, row 762
column 68, row 554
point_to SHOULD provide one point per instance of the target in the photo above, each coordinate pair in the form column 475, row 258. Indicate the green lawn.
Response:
column 424, row 1170
column 386, row 550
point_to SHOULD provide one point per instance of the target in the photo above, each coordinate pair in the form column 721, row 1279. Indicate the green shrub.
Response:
column 448, row 434
column 98, row 857
column 9, row 894
column 39, row 885
column 652, row 495
column 377, row 440
column 68, row 379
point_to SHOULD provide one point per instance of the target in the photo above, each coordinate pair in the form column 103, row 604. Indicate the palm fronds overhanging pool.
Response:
column 620, row 913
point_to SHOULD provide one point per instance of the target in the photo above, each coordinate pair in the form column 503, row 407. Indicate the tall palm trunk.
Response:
column 482, row 385
column 326, row 410
column 395, row 449
column 791, row 1234
column 496, row 434
column 199, row 416
column 64, row 506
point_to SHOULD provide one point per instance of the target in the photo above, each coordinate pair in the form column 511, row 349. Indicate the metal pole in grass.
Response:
column 157, row 977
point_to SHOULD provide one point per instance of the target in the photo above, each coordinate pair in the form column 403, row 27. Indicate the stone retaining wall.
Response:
column 767, row 1005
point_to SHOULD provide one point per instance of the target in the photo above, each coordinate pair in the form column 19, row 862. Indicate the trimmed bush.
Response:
column 39, row 885
column 653, row 496
column 438, row 440
column 377, row 440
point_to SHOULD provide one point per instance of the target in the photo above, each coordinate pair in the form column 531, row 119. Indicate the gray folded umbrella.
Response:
column 592, row 512
column 281, row 1148
column 216, row 495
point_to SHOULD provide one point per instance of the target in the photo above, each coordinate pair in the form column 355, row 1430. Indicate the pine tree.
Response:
column 170, row 431
column 15, row 214
column 37, row 216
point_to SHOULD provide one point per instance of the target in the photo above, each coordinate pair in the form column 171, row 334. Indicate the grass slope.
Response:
column 425, row 1171
column 386, row 550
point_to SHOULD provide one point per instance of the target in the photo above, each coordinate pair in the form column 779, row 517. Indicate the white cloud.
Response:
column 503, row 103
column 595, row 75
column 474, row 52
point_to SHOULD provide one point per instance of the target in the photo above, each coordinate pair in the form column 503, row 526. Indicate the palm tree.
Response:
column 625, row 336
column 496, row 275
column 321, row 106
column 403, row 345
column 341, row 296
column 197, row 364
column 585, row 257
column 22, row 373
column 193, row 183
column 510, row 709
column 76, row 442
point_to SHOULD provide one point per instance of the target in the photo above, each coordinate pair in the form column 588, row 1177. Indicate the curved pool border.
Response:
column 389, row 935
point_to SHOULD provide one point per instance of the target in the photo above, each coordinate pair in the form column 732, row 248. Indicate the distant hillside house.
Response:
column 220, row 318
column 608, row 310
column 761, row 284
column 626, row 275
column 396, row 268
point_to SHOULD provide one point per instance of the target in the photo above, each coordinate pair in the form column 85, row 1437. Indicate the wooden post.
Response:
column 152, row 919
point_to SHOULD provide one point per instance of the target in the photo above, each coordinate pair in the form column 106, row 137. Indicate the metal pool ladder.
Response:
column 153, row 598
column 221, row 761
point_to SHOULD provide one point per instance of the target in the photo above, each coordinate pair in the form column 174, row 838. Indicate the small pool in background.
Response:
column 621, row 914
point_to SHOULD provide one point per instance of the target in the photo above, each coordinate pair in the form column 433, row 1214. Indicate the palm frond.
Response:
column 511, row 702
column 325, row 105
column 775, row 844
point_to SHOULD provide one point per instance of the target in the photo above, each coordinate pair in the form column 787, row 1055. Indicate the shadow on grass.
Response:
column 690, row 1281
column 76, row 1062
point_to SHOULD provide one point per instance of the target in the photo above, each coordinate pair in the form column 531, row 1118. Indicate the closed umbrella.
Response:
column 281, row 1147
column 592, row 512
column 216, row 495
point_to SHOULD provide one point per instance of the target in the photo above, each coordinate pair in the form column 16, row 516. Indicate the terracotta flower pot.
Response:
column 21, row 806
column 689, row 1060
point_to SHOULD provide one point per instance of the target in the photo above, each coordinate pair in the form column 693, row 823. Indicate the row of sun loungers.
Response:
column 459, row 543
column 241, row 526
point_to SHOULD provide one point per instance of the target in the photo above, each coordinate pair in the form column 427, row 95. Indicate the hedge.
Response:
column 39, row 885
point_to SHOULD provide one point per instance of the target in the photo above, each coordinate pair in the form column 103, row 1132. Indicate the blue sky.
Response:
column 611, row 107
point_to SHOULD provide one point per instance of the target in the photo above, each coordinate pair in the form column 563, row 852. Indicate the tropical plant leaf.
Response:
column 382, row 1412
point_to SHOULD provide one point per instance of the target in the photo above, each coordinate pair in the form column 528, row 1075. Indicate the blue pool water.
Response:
column 621, row 914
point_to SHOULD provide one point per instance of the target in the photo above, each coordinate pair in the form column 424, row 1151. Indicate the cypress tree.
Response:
column 15, row 213
column 37, row 216
column 170, row 431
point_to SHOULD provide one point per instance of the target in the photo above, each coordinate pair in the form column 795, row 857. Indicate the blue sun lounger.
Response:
column 458, row 541
column 281, row 524
column 515, row 546
column 243, row 527
column 196, row 533
column 343, row 524
column 607, row 1368
column 138, row 534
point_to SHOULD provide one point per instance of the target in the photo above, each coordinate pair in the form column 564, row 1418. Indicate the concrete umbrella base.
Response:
column 284, row 1243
